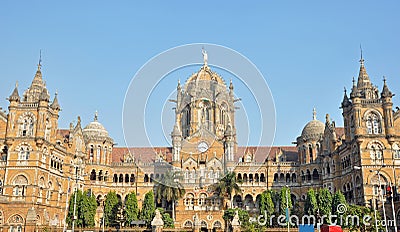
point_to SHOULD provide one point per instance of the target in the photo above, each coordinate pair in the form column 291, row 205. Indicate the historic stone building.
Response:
column 41, row 164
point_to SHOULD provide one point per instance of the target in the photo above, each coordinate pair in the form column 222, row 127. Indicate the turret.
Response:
column 386, row 97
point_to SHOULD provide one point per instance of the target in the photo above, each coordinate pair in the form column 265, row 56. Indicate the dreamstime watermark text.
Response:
column 341, row 219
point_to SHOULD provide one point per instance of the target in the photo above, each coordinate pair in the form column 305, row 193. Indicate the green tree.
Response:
column 338, row 199
column 111, row 208
column 226, row 186
column 85, row 209
column 266, row 204
column 311, row 204
column 168, row 222
column 148, row 208
column 324, row 200
column 131, row 208
column 170, row 189
column 285, row 200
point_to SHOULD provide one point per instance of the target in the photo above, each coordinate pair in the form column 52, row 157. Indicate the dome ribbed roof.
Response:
column 95, row 129
column 314, row 128
column 205, row 74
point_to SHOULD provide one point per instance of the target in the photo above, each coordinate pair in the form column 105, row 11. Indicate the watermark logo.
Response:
column 342, row 218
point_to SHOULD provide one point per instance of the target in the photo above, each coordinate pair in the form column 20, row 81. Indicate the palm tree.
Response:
column 227, row 185
column 170, row 189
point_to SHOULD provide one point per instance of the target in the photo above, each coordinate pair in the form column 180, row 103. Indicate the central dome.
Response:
column 205, row 74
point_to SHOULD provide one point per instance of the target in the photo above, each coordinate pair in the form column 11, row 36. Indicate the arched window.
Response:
column 93, row 175
column 121, row 178
column 132, row 178
column 376, row 151
column 189, row 201
column 239, row 177
column 223, row 115
column 373, row 124
column 105, row 155
column 308, row 175
column 294, row 179
column 26, row 126
column 126, row 178
column 115, row 178
column 186, row 122
column 202, row 199
column 20, row 182
column 47, row 130
column 98, row 154
column 276, row 177
column 311, row 153
column 262, row 177
column 287, row 177
column 91, row 153
column 188, row 224
column 24, row 152
column 146, row 178
column 100, row 175
column 282, row 177
column 315, row 175
column 396, row 151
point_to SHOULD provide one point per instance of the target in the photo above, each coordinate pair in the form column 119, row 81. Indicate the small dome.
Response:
column 314, row 128
column 95, row 129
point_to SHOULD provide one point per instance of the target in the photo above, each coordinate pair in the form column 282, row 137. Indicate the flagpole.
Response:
column 66, row 207
column 287, row 209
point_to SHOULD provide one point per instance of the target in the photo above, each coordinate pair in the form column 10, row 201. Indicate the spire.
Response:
column 55, row 105
column 14, row 95
column 34, row 92
column 230, row 85
column 385, row 91
column 179, row 85
column 363, row 78
column 314, row 114
column 346, row 102
column 40, row 60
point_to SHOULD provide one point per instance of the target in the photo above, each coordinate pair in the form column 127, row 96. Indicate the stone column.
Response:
column 157, row 224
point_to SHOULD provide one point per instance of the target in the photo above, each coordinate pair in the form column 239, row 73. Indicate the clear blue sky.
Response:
column 307, row 50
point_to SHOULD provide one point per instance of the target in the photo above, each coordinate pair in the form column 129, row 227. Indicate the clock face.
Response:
column 202, row 147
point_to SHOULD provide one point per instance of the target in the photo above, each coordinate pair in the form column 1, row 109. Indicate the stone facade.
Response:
column 42, row 164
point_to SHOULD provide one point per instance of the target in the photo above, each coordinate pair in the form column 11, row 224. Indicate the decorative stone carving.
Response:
column 157, row 223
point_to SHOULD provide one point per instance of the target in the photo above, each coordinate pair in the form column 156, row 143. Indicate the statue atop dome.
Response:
column 205, row 56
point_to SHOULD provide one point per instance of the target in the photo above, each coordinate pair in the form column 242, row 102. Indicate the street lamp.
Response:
column 104, row 212
column 76, row 166
column 381, row 194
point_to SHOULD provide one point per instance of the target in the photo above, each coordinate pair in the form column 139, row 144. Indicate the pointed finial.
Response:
column 345, row 91
column 40, row 59
column 361, row 60
column 16, row 84
column 384, row 80
column 354, row 81
column 314, row 114
column 56, row 93
column 96, row 116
